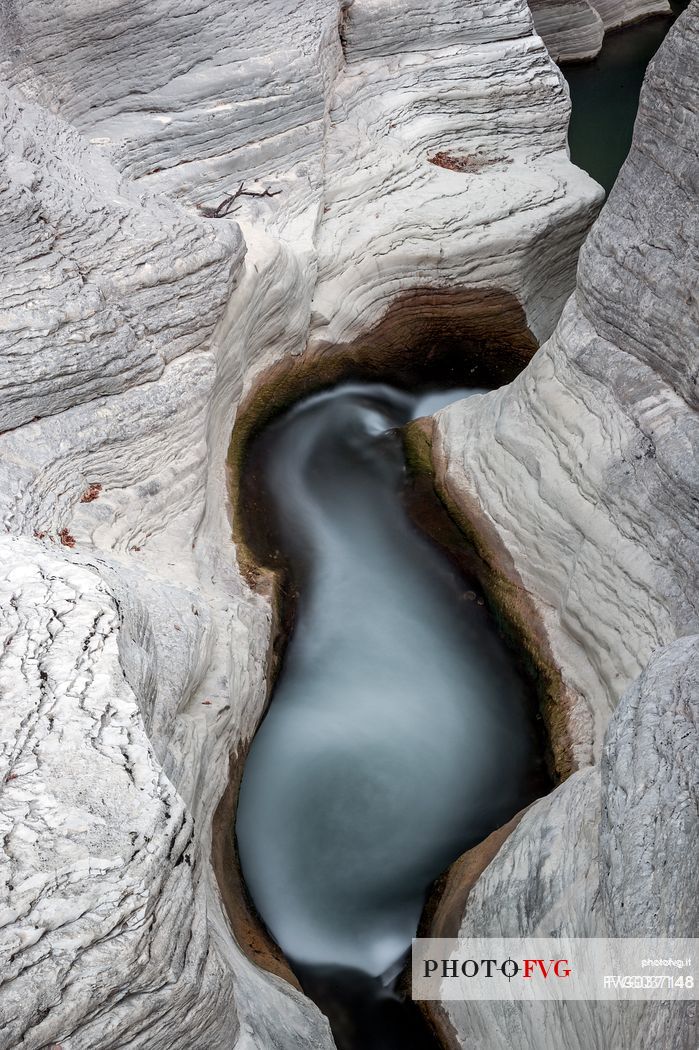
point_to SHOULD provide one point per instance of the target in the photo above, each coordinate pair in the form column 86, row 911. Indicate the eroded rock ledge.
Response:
column 583, row 465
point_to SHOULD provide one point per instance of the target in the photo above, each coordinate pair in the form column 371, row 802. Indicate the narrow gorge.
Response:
column 397, row 705
column 328, row 388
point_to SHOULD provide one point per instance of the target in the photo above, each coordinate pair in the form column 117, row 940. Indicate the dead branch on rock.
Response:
column 222, row 209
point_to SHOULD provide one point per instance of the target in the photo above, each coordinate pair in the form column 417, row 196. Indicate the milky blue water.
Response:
column 400, row 731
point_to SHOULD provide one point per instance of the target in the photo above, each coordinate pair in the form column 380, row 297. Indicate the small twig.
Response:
column 225, row 205
column 262, row 193
column 222, row 209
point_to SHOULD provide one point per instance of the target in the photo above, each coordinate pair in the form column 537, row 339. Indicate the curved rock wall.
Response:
column 612, row 852
column 84, row 258
column 586, row 468
column 584, row 464
column 573, row 30
column 185, row 95
column 134, row 656
column 467, row 143
column 620, row 12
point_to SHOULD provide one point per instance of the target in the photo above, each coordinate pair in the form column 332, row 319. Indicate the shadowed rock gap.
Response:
column 605, row 92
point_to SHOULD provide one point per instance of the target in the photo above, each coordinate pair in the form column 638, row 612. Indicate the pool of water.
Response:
column 605, row 95
column 401, row 730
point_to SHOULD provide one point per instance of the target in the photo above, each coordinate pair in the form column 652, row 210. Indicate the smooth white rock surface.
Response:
column 586, row 464
column 487, row 91
column 610, row 853
column 572, row 30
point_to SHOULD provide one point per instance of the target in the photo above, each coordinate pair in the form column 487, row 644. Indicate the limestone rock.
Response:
column 609, row 853
column 84, row 259
column 616, row 13
column 186, row 96
column 136, row 655
column 469, row 146
column 649, row 832
column 585, row 465
column 573, row 30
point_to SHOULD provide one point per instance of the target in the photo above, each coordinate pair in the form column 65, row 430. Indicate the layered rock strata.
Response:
column 585, row 468
column 468, row 146
column 373, row 152
column 133, row 657
column 610, row 853
column 573, row 30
